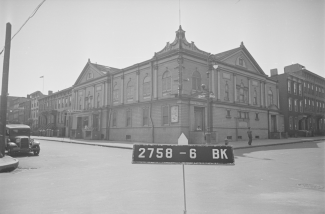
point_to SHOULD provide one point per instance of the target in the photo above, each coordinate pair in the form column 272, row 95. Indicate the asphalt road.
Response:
column 73, row 178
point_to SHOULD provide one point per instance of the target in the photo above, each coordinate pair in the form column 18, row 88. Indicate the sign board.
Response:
column 182, row 154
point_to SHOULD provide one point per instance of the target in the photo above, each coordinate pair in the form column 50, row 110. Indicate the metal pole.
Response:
column 184, row 189
column 4, row 91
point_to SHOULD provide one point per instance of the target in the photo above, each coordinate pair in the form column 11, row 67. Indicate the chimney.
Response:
column 50, row 92
column 274, row 72
column 28, row 96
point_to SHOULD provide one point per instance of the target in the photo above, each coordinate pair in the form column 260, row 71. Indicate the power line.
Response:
column 34, row 12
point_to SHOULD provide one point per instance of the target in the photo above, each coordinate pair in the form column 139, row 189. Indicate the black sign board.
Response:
column 182, row 154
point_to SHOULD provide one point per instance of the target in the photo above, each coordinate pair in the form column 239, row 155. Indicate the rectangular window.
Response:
column 300, row 90
column 165, row 115
column 128, row 117
column 199, row 118
column 256, row 116
column 145, row 117
column 290, row 104
column 296, row 106
column 289, row 86
column 228, row 114
column 85, row 122
column 295, row 88
column 114, row 117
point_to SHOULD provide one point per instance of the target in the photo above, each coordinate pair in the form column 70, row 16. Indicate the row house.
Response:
column 158, row 99
column 54, row 112
column 34, row 97
column 302, row 100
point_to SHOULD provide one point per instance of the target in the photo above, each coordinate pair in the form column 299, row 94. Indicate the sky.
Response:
column 63, row 34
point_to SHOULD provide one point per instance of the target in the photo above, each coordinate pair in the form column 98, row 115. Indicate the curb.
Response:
column 275, row 144
column 238, row 147
column 8, row 163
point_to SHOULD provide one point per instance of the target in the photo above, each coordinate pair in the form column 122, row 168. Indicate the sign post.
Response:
column 182, row 153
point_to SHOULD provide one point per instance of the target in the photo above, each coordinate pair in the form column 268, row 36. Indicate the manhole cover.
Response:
column 311, row 186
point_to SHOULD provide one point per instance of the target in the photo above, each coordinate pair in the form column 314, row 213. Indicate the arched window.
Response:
column 115, row 93
column 270, row 95
column 255, row 97
column 196, row 81
column 166, row 83
column 146, row 87
column 98, row 100
column 129, row 91
column 226, row 91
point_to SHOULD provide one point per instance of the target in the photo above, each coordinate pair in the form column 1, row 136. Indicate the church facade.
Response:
column 181, row 89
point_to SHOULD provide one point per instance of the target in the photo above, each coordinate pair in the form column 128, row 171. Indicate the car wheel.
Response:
column 36, row 152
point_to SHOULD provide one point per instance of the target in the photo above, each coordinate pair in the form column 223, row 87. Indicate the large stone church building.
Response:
column 181, row 89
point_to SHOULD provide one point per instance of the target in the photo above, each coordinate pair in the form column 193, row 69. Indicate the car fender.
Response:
column 11, row 145
column 36, row 143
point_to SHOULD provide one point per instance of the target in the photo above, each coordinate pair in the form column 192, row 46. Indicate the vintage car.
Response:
column 18, row 139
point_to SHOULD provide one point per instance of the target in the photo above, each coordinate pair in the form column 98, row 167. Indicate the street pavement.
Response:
column 8, row 163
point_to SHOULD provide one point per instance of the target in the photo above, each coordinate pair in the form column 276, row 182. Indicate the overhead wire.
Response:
column 33, row 13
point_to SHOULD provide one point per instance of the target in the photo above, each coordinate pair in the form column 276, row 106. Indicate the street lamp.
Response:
column 208, row 96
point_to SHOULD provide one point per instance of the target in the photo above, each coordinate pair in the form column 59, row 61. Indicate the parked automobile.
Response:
column 18, row 139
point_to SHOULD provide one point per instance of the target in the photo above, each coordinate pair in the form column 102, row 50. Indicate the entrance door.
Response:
column 273, row 123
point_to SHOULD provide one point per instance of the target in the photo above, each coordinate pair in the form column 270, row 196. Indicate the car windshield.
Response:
column 19, row 132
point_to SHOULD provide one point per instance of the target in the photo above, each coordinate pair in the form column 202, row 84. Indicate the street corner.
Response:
column 8, row 164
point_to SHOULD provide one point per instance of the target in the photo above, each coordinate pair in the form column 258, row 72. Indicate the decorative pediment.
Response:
column 93, row 71
column 239, row 57
column 179, row 43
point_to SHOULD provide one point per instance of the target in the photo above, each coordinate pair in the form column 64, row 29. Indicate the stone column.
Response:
column 249, row 91
column 235, row 84
column 218, row 74
column 265, row 94
column 122, row 89
column 261, row 94
column 137, row 86
column 213, row 81
column 155, row 71
column 94, row 95
column 277, row 94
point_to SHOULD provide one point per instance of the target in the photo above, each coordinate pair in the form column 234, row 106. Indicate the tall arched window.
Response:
column 255, row 97
column 270, row 95
column 166, row 83
column 115, row 94
column 146, row 87
column 226, row 91
column 196, row 81
column 98, row 100
column 129, row 91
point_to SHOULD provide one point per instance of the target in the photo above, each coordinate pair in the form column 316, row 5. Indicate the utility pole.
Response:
column 4, row 91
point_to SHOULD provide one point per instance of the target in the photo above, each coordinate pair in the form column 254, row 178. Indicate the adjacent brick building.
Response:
column 302, row 100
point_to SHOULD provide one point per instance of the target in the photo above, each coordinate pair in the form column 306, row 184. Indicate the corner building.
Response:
column 156, row 100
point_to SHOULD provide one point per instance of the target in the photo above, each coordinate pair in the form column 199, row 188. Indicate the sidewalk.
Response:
column 234, row 144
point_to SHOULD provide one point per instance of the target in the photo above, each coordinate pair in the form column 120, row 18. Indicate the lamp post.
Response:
column 208, row 96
